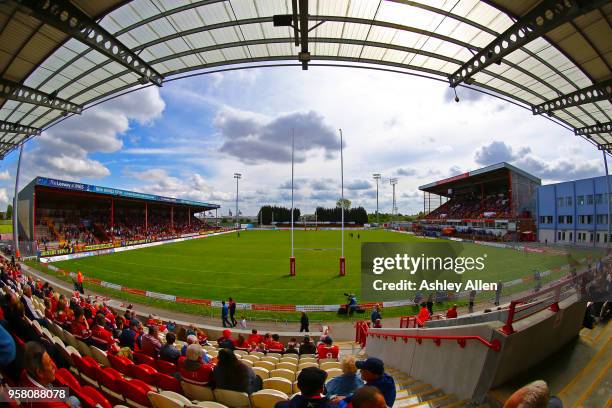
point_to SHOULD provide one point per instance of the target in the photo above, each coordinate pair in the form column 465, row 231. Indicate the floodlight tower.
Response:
column 393, row 182
column 377, row 178
column 237, row 176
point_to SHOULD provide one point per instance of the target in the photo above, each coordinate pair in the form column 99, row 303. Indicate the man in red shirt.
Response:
column 39, row 374
column 79, row 327
column 80, row 281
column 254, row 338
column 192, row 369
column 276, row 346
column 423, row 315
column 327, row 350
column 102, row 338
column 452, row 312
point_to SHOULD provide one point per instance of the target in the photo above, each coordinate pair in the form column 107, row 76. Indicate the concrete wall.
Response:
column 472, row 371
column 448, row 366
column 538, row 337
column 476, row 318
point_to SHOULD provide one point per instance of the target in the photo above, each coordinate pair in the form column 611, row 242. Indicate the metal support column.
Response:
column 15, row 200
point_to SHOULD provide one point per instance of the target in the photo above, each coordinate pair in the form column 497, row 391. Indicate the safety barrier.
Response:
column 516, row 312
column 412, row 321
column 362, row 332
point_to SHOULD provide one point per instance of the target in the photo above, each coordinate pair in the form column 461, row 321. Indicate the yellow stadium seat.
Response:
column 283, row 373
column 197, row 392
column 329, row 364
column 280, row 384
column 265, row 364
column 267, row 398
column 287, row 365
column 233, row 399
column 333, row 372
column 262, row 372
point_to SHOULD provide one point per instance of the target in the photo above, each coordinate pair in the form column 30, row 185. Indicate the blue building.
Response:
column 575, row 212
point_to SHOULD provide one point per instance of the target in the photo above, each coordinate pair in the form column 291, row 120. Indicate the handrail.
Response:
column 406, row 321
column 556, row 288
column 494, row 345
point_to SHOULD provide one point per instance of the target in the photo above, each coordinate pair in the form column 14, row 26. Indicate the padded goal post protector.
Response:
column 292, row 266
column 342, row 266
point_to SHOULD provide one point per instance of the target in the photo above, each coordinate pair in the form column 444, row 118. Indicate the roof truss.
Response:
column 594, row 129
column 64, row 16
column 594, row 93
column 10, row 127
column 541, row 19
column 21, row 93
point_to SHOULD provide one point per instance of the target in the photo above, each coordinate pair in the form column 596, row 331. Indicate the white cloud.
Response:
column 63, row 151
column 4, row 199
column 4, row 175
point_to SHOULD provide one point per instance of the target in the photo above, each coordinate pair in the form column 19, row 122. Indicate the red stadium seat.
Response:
column 136, row 391
column 98, row 399
column 84, row 367
column 141, row 358
column 143, row 372
column 64, row 378
column 120, row 363
column 109, row 379
column 168, row 383
column 166, row 367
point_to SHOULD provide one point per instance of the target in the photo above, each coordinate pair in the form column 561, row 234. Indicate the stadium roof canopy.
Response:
column 58, row 57
column 496, row 173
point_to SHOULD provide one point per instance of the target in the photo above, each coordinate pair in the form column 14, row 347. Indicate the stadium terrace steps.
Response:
column 413, row 393
column 585, row 376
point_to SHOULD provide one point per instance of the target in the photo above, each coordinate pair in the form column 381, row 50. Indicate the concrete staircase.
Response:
column 413, row 393
column 579, row 374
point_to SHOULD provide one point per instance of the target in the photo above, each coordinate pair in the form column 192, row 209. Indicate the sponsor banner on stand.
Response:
column 111, row 285
column 396, row 303
column 205, row 302
column 315, row 308
column 162, row 296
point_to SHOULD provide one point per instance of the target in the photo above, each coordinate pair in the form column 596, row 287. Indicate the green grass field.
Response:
column 6, row 226
column 254, row 268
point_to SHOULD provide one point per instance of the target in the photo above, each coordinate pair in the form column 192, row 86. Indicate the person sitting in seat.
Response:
column 226, row 340
column 150, row 344
column 231, row 374
column 311, row 382
column 39, row 374
column 102, row 338
column 254, row 338
column 327, row 349
column 129, row 334
column 368, row 397
column 307, row 346
column 292, row 346
column 168, row 351
column 373, row 373
column 80, row 327
column 193, row 369
column 275, row 346
column 348, row 382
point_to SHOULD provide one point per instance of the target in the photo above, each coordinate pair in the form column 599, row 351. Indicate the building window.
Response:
column 589, row 199
column 602, row 218
column 580, row 200
column 590, row 237
column 598, row 198
column 561, row 219
column 569, row 219
column 589, row 220
column 558, row 235
column 560, row 202
column 563, row 235
column 569, row 201
column 571, row 237
column 549, row 219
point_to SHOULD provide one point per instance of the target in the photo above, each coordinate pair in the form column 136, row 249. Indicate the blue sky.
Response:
column 189, row 137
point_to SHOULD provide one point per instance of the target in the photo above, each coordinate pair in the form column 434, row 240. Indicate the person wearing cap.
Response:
column 226, row 340
column 327, row 349
column 307, row 346
column 192, row 367
column 373, row 373
column 348, row 382
column 311, row 382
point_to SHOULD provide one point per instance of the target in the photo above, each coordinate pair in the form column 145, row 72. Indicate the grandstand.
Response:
column 60, row 217
column 494, row 203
